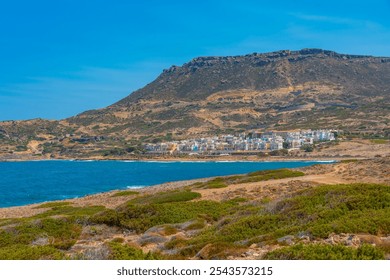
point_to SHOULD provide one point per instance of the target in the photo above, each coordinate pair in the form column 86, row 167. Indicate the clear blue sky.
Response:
column 59, row 58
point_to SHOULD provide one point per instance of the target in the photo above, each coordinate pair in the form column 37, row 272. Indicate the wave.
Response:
column 136, row 187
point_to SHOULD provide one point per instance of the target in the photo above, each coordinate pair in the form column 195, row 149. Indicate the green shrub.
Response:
column 140, row 217
column 281, row 152
column 379, row 141
column 167, row 197
column 266, row 175
column 73, row 213
column 124, row 193
column 59, row 233
column 169, row 230
column 25, row 252
column 257, row 176
column 216, row 183
column 121, row 251
column 109, row 217
column 53, row 204
column 325, row 252
column 354, row 208
column 350, row 208
column 196, row 224
column 349, row 160
column 307, row 148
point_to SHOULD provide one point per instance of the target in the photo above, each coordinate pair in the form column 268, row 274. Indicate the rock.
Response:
column 179, row 235
column 97, row 253
column 288, row 239
column 254, row 245
column 204, row 253
column 333, row 239
column 151, row 239
column 155, row 230
column 41, row 241
column 303, row 235
column 352, row 240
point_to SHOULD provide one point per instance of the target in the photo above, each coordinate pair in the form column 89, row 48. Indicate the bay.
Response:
column 28, row 182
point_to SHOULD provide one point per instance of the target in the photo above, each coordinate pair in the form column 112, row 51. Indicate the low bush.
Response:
column 124, row 193
column 73, row 213
column 325, row 252
column 25, row 252
column 166, row 197
column 53, row 204
column 109, row 217
column 140, row 217
column 257, row 176
column 354, row 208
column 216, row 183
column 59, row 233
column 121, row 251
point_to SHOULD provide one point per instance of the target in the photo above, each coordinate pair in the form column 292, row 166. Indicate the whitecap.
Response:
column 136, row 187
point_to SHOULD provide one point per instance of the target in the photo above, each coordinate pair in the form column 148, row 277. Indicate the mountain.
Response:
column 284, row 89
column 309, row 88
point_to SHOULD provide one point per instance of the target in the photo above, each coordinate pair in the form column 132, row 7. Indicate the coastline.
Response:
column 89, row 200
column 343, row 150
column 353, row 177
column 196, row 159
column 19, row 211
column 112, row 202
column 163, row 183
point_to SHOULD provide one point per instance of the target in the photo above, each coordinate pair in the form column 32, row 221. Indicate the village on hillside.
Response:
column 246, row 142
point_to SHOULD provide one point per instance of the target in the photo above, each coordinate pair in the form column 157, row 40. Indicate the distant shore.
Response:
column 189, row 159
column 344, row 150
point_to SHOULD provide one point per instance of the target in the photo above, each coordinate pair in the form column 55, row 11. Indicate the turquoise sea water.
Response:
column 30, row 182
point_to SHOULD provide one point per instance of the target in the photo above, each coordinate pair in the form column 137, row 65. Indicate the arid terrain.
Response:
column 333, row 211
column 103, row 236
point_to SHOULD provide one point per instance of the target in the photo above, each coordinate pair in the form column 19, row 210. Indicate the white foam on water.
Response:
column 136, row 187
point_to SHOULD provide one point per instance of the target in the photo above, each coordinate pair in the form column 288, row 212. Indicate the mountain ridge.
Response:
column 257, row 59
column 314, row 77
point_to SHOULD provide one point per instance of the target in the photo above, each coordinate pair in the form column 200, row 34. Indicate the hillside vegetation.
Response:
column 343, row 221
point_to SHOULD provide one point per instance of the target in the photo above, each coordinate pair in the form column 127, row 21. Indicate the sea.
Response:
column 29, row 182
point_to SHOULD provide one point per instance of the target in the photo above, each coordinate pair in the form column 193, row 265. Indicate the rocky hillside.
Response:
column 310, row 88
column 286, row 89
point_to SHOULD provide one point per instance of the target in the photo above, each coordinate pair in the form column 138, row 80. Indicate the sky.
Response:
column 60, row 58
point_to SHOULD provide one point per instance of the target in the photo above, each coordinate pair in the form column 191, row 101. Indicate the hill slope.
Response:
column 310, row 88
column 286, row 89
